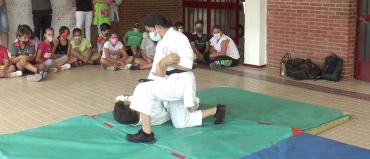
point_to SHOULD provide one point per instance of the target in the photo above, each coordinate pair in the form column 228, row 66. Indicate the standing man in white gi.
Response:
column 173, row 82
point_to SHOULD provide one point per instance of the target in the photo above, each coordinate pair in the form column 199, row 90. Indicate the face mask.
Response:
column 217, row 36
column 180, row 30
column 25, row 42
column 49, row 38
column 114, row 41
column 154, row 36
column 199, row 30
column 64, row 35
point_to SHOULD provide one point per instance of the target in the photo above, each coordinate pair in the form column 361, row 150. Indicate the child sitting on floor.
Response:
column 132, row 40
column 23, row 52
column 33, row 38
column 81, row 49
column 44, row 53
column 103, row 37
column 6, row 69
column 62, row 49
column 114, row 55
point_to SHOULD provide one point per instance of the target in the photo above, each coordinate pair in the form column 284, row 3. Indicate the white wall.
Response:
column 20, row 12
column 255, row 33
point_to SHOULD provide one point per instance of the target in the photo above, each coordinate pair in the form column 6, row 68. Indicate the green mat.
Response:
column 268, row 109
column 102, row 137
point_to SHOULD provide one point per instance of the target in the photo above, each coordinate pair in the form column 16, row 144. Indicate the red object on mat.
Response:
column 263, row 123
column 178, row 155
column 296, row 131
column 109, row 125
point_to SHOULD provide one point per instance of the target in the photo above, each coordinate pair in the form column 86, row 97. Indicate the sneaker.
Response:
column 134, row 67
column 18, row 73
column 214, row 66
column 53, row 70
column 140, row 136
column 195, row 65
column 65, row 66
column 126, row 67
column 34, row 78
column 220, row 114
column 111, row 68
column 43, row 74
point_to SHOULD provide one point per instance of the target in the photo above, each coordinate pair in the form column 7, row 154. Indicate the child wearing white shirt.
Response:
column 114, row 55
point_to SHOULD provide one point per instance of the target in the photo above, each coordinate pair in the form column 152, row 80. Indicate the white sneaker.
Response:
column 34, row 78
column 18, row 73
column 126, row 67
column 111, row 68
column 65, row 66
column 53, row 70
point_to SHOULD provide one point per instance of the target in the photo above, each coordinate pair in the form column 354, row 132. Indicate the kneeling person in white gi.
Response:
column 173, row 82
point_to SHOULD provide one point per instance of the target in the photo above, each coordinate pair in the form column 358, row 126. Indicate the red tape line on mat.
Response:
column 178, row 155
column 263, row 123
column 109, row 125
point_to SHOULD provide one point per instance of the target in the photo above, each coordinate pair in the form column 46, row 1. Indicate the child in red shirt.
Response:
column 44, row 52
column 6, row 69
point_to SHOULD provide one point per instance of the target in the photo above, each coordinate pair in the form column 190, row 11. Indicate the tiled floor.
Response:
column 91, row 90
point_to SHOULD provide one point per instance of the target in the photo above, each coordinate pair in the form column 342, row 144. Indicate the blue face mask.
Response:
column 154, row 36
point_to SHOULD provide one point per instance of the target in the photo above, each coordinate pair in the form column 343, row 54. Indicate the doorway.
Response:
column 213, row 12
column 362, row 55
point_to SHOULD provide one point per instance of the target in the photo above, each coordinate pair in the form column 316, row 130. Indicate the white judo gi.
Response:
column 176, row 91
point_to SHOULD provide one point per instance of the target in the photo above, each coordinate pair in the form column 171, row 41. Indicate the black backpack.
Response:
column 287, row 63
column 307, row 70
column 332, row 68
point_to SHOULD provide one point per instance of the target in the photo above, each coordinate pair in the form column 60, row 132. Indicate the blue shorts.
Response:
column 4, row 23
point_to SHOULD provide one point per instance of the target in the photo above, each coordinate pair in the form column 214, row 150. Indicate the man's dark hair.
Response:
column 199, row 22
column 156, row 18
column 62, row 29
column 124, row 115
column 105, row 26
column 178, row 24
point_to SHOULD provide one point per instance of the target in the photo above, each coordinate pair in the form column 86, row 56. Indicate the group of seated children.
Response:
column 27, row 53
column 216, row 51
column 53, row 55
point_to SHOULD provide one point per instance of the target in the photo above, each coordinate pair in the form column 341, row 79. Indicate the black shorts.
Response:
column 130, row 53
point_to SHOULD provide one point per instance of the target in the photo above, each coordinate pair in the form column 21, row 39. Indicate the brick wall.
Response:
column 312, row 29
column 135, row 11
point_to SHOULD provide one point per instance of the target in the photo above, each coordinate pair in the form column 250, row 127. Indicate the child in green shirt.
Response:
column 132, row 40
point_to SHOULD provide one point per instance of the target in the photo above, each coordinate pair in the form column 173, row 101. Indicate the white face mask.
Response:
column 217, row 36
column 155, row 36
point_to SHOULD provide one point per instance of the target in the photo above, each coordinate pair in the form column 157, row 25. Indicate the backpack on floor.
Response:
column 307, row 70
column 332, row 68
column 287, row 63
